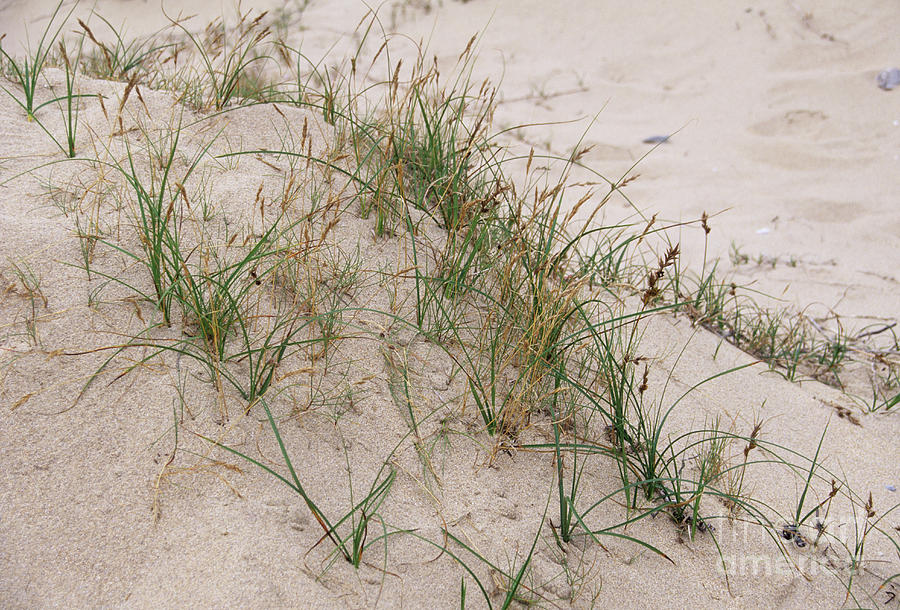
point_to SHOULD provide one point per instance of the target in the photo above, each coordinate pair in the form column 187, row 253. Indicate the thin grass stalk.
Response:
column 28, row 71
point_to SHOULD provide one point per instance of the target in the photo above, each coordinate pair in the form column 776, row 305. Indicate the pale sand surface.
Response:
column 782, row 136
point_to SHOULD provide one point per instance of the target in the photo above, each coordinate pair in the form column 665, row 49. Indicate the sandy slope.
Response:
column 780, row 126
column 777, row 115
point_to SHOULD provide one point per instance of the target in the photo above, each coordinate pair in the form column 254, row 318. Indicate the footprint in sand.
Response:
column 820, row 210
column 791, row 123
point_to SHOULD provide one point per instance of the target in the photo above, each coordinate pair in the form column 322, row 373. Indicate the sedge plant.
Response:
column 27, row 72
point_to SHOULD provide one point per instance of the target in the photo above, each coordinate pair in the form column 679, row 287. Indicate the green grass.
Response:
column 122, row 58
column 353, row 543
column 155, row 204
column 70, row 110
column 790, row 342
column 26, row 72
column 226, row 60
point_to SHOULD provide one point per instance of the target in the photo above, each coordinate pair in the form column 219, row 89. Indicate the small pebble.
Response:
column 656, row 140
column 888, row 79
column 890, row 488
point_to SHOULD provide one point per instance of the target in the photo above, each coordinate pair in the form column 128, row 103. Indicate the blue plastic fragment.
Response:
column 656, row 139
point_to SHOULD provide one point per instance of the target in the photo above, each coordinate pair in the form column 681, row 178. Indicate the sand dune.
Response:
column 778, row 132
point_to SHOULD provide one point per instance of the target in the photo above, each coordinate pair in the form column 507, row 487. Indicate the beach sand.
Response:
column 778, row 132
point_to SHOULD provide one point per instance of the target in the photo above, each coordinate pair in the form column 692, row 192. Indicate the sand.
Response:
column 778, row 132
